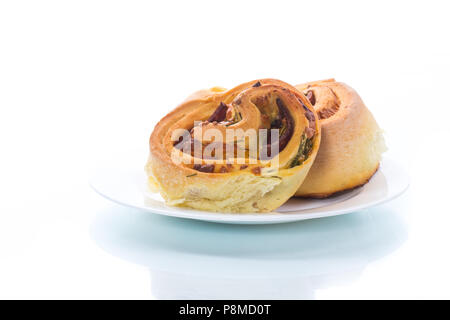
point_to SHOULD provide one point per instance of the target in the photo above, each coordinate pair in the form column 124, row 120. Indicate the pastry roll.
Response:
column 247, row 149
column 352, row 143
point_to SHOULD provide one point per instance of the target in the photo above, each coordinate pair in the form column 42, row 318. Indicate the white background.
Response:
column 79, row 79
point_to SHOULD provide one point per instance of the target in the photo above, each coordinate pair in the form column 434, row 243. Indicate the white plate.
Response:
column 122, row 180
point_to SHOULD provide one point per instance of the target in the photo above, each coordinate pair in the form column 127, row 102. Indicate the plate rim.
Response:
column 269, row 217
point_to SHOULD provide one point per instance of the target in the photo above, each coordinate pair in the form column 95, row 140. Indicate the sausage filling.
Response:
column 275, row 115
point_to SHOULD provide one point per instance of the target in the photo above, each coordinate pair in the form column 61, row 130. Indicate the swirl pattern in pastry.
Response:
column 352, row 142
column 195, row 162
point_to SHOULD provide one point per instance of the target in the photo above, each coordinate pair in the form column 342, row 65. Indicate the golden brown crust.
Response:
column 249, row 188
column 351, row 145
column 337, row 193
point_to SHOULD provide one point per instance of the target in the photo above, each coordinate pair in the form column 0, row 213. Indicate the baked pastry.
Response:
column 195, row 162
column 351, row 145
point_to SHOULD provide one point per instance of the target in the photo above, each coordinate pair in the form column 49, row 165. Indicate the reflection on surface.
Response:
column 199, row 260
